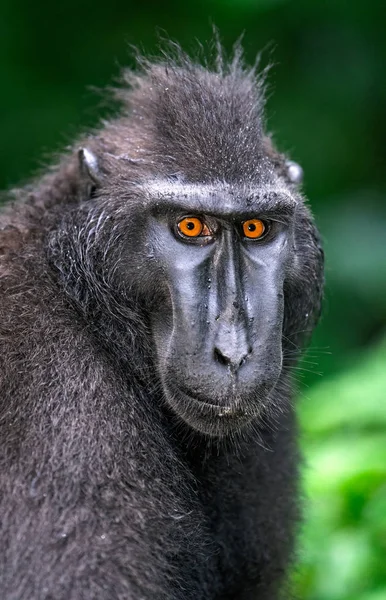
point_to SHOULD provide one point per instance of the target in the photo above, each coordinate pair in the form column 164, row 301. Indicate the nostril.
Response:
column 223, row 360
column 234, row 362
column 244, row 358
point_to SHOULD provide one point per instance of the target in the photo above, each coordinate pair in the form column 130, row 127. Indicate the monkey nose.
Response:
column 232, row 360
column 231, row 347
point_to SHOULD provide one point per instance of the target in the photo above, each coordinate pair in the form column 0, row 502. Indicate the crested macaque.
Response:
column 157, row 287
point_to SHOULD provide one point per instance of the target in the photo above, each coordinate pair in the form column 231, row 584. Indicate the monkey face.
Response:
column 194, row 244
column 225, row 279
column 220, row 255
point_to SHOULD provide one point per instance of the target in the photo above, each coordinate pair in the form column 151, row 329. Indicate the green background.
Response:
column 327, row 95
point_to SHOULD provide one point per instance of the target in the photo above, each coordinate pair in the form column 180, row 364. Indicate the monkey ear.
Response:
column 294, row 172
column 88, row 164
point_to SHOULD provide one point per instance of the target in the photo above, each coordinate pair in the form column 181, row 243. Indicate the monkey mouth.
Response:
column 202, row 404
column 207, row 417
column 217, row 409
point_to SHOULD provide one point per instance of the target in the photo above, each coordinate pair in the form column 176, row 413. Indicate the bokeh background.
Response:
column 327, row 97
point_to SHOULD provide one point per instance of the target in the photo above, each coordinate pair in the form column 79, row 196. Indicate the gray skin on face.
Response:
column 218, row 333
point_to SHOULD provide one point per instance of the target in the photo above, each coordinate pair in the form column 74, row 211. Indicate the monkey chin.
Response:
column 209, row 419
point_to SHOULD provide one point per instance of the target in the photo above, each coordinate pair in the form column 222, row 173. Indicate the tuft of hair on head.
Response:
column 205, row 119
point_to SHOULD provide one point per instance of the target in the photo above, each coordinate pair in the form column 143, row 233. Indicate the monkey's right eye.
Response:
column 192, row 227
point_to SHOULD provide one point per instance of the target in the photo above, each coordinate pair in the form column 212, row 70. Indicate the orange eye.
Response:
column 193, row 227
column 254, row 229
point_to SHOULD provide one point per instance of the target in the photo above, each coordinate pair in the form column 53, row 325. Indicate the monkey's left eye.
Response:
column 193, row 227
column 254, row 229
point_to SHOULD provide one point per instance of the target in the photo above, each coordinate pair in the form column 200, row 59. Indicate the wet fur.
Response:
column 104, row 493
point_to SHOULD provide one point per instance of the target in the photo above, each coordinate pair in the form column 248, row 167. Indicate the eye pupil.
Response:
column 190, row 225
column 251, row 227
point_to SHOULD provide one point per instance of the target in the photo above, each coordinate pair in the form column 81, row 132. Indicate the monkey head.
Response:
column 199, row 221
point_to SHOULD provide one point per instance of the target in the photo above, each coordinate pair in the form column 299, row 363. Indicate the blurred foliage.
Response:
column 326, row 106
column 344, row 540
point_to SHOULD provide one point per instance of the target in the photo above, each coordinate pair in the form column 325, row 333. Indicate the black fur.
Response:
column 105, row 494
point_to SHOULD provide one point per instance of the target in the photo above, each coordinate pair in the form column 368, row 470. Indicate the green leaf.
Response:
column 355, row 399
